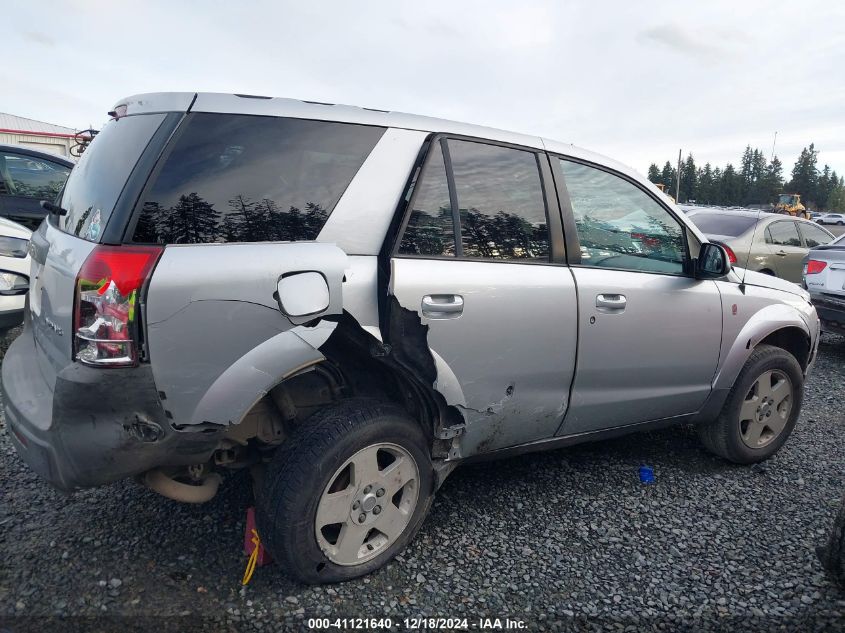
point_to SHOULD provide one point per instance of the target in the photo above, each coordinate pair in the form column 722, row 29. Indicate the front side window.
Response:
column 240, row 178
column 783, row 234
column 430, row 230
column 500, row 197
column 30, row 177
column 621, row 226
column 814, row 236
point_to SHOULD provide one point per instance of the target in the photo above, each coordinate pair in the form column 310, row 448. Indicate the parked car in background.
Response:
column 815, row 215
column 27, row 177
column 769, row 243
column 14, row 273
column 824, row 278
column 336, row 298
column 832, row 218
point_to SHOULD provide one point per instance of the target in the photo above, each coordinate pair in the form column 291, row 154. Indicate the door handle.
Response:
column 611, row 303
column 781, row 253
column 442, row 306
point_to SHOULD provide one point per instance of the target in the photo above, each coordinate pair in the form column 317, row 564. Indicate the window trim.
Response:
column 557, row 245
column 569, row 219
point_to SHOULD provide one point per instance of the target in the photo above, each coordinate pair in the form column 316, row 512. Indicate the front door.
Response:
column 649, row 334
column 475, row 272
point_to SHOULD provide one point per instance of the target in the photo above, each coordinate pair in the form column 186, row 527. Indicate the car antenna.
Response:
column 748, row 254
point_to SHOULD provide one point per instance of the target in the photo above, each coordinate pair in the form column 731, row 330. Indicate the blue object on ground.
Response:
column 646, row 474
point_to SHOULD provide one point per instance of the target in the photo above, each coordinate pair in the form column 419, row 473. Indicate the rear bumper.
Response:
column 95, row 425
column 831, row 312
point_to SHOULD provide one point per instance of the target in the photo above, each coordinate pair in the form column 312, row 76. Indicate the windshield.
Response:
column 785, row 199
column 98, row 178
column 723, row 224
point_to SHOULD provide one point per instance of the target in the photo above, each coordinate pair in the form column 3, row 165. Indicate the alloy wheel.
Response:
column 367, row 504
column 766, row 408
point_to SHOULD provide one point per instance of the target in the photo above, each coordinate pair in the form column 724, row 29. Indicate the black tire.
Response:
column 723, row 436
column 301, row 470
column 832, row 554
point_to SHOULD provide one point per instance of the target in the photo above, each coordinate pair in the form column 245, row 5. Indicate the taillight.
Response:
column 729, row 251
column 105, row 319
column 815, row 266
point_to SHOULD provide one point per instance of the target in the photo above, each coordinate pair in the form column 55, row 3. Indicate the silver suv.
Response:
column 352, row 302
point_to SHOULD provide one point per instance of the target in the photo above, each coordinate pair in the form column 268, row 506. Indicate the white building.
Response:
column 46, row 137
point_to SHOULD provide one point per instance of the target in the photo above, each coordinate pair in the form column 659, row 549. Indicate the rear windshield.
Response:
column 98, row 178
column 718, row 224
column 239, row 178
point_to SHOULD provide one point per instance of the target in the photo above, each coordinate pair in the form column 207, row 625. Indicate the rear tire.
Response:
column 360, row 469
column 761, row 409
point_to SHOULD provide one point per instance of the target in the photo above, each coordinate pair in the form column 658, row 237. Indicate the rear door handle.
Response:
column 442, row 306
column 781, row 253
column 611, row 303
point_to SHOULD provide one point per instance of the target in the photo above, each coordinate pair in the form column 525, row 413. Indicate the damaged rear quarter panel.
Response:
column 211, row 306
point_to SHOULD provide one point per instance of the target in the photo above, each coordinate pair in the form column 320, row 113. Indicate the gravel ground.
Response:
column 559, row 540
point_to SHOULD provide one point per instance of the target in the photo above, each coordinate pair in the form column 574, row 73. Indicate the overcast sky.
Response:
column 634, row 80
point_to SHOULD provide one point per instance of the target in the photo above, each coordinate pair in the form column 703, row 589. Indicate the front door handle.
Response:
column 611, row 303
column 442, row 306
column 781, row 253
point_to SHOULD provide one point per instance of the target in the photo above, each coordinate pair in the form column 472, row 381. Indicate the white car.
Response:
column 832, row 218
column 14, row 273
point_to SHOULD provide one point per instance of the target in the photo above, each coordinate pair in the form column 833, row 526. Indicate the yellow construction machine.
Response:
column 790, row 204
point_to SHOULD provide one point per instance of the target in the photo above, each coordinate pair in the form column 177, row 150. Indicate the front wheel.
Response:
column 761, row 409
column 347, row 493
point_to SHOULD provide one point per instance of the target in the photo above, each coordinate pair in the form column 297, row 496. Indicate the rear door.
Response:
column 478, row 273
column 649, row 334
column 784, row 243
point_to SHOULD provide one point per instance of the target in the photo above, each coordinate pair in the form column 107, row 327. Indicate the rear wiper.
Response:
column 53, row 208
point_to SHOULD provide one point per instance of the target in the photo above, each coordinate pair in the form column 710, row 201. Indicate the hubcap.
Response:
column 367, row 504
column 766, row 409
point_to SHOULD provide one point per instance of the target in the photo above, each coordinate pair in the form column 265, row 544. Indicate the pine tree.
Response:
column 836, row 198
column 805, row 174
column 688, row 179
column 745, row 175
column 654, row 173
column 667, row 177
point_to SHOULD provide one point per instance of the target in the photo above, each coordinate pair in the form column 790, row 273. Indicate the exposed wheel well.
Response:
column 792, row 339
column 356, row 365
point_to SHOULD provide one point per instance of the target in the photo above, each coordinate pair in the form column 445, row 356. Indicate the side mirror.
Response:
column 302, row 294
column 712, row 263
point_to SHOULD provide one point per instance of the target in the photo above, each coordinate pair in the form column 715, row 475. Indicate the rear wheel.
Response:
column 347, row 493
column 761, row 409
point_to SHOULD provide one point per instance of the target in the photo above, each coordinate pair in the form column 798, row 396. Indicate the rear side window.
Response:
column 31, row 177
column 720, row 224
column 98, row 178
column 239, row 178
column 500, row 205
column 813, row 235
